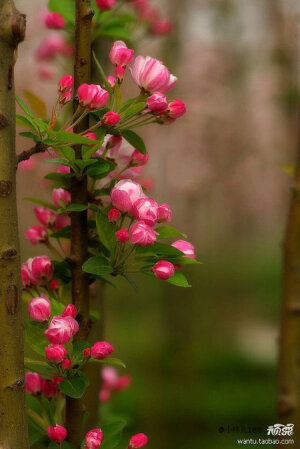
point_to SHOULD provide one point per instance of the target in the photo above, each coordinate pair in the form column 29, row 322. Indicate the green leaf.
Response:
column 101, row 169
column 87, row 153
column 113, row 434
column 115, row 33
column 38, row 366
column 66, row 445
column 135, row 140
column 168, row 231
column 37, row 104
column 35, row 337
column 159, row 249
column 179, row 280
column 64, row 7
column 24, row 106
column 40, row 202
column 131, row 282
column 77, row 353
column 27, row 121
column 73, row 387
column 133, row 110
column 106, row 232
column 62, row 233
column 61, row 179
column 110, row 361
column 58, row 160
column 57, row 307
column 66, row 152
column 61, row 137
column 73, row 208
column 62, row 271
column 53, row 445
column 97, row 265
column 101, row 72
column 132, row 101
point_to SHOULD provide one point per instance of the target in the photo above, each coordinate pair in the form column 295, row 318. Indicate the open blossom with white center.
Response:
column 151, row 75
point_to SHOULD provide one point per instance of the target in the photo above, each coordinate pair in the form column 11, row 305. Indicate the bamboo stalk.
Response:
column 79, row 232
column 13, row 424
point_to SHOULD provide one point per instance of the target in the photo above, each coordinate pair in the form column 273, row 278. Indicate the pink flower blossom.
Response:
column 39, row 309
column 27, row 165
column 56, row 353
column 151, row 75
column 110, row 377
column 91, row 136
column 124, row 194
column 105, row 5
column 187, row 248
column 54, row 284
column 70, row 310
column 158, row 103
column 176, row 108
column 41, row 269
column 54, row 20
column 164, row 213
column 66, row 364
column 122, row 235
column 62, row 221
column 93, row 439
column 146, row 209
column 52, row 46
column 45, row 73
column 87, row 352
column 161, row 26
column 139, row 158
column 59, row 330
column 45, row 216
column 123, row 383
column 120, row 54
column 49, row 388
column 163, row 270
column 65, row 83
column 111, row 118
column 57, row 433
column 61, row 197
column 101, row 350
column 36, row 234
column 137, row 441
column 92, row 96
column 33, row 383
column 113, row 215
column 119, row 73
column 141, row 234
column 64, row 169
column 111, row 80
column 73, row 324
column 104, row 395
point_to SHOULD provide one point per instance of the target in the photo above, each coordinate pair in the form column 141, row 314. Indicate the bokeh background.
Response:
column 205, row 357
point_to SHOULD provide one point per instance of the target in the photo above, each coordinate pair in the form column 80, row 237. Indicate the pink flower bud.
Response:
column 52, row 46
column 176, row 108
column 104, row 395
column 187, row 248
column 93, row 439
column 124, row 194
column 41, row 269
column 101, row 350
column 122, row 235
column 54, row 285
column 120, row 54
column 66, row 364
column 27, row 165
column 111, row 80
column 163, row 270
column 151, row 75
column 45, row 73
column 105, row 5
column 61, row 197
column 57, row 433
column 119, row 73
column 139, row 158
column 54, row 20
column 56, row 353
column 26, row 276
column 113, row 215
column 39, row 309
column 36, row 234
column 73, row 324
column 45, row 216
column 141, row 234
column 161, row 26
column 65, row 97
column 123, row 383
column 62, row 221
column 92, row 96
column 164, row 213
column 110, row 377
column 87, row 352
column 115, row 143
column 63, row 169
column 146, row 209
column 158, row 103
column 137, row 441
column 33, row 383
column 59, row 330
column 65, row 83
column 111, row 118
column 91, row 136
column 49, row 388
column 70, row 310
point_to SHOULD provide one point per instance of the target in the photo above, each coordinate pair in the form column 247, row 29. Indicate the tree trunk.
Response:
column 79, row 233
column 13, row 425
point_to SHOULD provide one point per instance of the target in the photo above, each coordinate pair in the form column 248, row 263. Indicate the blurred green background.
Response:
column 205, row 357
